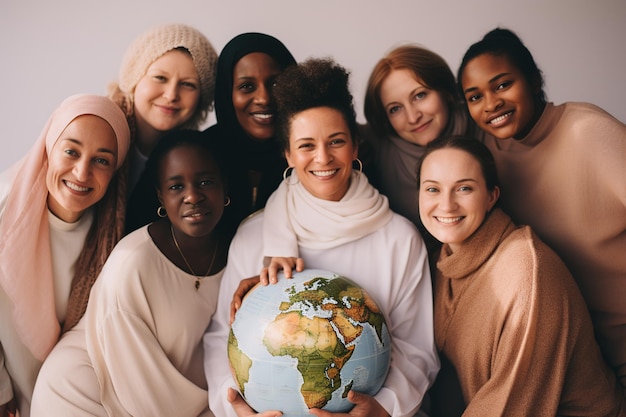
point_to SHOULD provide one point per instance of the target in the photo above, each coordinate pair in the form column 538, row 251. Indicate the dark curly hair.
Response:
column 317, row 82
column 179, row 138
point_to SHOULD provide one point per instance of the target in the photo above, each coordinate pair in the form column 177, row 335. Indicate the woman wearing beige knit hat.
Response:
column 166, row 81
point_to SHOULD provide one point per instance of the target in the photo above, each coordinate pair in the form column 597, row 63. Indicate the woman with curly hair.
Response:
column 326, row 215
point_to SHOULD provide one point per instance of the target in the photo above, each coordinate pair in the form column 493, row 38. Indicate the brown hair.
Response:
column 106, row 230
column 428, row 68
column 471, row 146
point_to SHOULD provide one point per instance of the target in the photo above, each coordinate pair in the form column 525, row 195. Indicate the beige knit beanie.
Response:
column 151, row 45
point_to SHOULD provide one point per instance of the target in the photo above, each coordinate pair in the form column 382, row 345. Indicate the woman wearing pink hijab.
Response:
column 58, row 223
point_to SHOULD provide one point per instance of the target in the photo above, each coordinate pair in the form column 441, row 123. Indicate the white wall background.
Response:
column 51, row 49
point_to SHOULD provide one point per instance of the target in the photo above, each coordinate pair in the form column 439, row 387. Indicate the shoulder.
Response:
column 528, row 261
column 586, row 118
column 398, row 228
column 590, row 137
column 250, row 230
column 252, row 223
column 399, row 232
column 582, row 108
column 133, row 259
column 134, row 249
column 399, row 222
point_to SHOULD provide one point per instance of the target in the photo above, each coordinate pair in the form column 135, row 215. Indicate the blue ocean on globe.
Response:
column 305, row 342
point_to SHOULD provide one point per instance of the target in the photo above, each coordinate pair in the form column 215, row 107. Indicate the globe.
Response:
column 306, row 342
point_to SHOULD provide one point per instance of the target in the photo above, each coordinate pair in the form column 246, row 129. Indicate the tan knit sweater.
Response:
column 510, row 318
column 567, row 180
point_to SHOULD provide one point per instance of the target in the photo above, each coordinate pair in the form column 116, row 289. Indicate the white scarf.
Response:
column 294, row 217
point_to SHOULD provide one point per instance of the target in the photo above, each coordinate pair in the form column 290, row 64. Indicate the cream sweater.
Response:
column 20, row 367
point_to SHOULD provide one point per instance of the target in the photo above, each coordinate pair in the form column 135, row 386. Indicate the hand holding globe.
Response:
column 306, row 342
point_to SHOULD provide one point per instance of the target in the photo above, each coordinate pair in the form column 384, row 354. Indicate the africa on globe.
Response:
column 306, row 342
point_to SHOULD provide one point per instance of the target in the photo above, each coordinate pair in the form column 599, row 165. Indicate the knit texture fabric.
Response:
column 151, row 45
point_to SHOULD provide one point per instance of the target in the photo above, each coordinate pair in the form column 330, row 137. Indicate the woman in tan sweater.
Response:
column 563, row 172
column 509, row 317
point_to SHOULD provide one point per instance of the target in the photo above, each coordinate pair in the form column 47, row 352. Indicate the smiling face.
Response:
column 80, row 166
column 167, row 96
column 417, row 113
column 253, row 78
column 191, row 190
column 321, row 152
column 499, row 97
column 453, row 195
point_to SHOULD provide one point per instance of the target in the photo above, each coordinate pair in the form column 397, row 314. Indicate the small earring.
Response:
column 227, row 202
column 286, row 177
column 360, row 164
column 161, row 212
column 287, row 170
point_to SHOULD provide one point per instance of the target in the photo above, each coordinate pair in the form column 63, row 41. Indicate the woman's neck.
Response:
column 61, row 212
column 539, row 108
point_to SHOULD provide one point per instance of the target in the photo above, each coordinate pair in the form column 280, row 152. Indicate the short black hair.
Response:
column 184, row 137
column 504, row 42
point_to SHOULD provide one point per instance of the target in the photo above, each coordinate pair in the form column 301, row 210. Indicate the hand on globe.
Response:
column 307, row 342
column 243, row 409
column 269, row 274
column 364, row 406
column 245, row 285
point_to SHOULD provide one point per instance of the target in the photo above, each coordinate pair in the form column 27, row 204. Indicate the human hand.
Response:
column 245, row 285
column 364, row 406
column 269, row 274
column 243, row 409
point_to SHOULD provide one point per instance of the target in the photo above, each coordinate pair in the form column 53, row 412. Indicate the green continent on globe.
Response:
column 322, row 345
column 240, row 362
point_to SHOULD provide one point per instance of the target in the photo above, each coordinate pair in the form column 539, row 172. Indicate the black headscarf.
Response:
column 264, row 156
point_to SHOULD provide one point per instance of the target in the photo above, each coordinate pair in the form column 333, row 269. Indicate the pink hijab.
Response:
column 25, row 260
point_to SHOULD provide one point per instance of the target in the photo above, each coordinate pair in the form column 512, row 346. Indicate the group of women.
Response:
column 514, row 306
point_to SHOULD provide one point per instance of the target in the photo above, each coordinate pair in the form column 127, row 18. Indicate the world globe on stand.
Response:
column 306, row 342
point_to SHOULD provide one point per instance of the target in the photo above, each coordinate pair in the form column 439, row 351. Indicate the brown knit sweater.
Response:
column 512, row 322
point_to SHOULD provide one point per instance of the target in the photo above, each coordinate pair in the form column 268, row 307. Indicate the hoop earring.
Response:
column 358, row 161
column 161, row 212
column 227, row 202
column 286, row 177
column 287, row 170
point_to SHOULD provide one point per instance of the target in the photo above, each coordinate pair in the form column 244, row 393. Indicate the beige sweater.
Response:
column 567, row 180
column 511, row 320
column 138, row 349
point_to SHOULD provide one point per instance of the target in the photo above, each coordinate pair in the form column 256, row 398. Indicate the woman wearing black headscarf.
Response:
column 245, row 112
column 244, row 108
